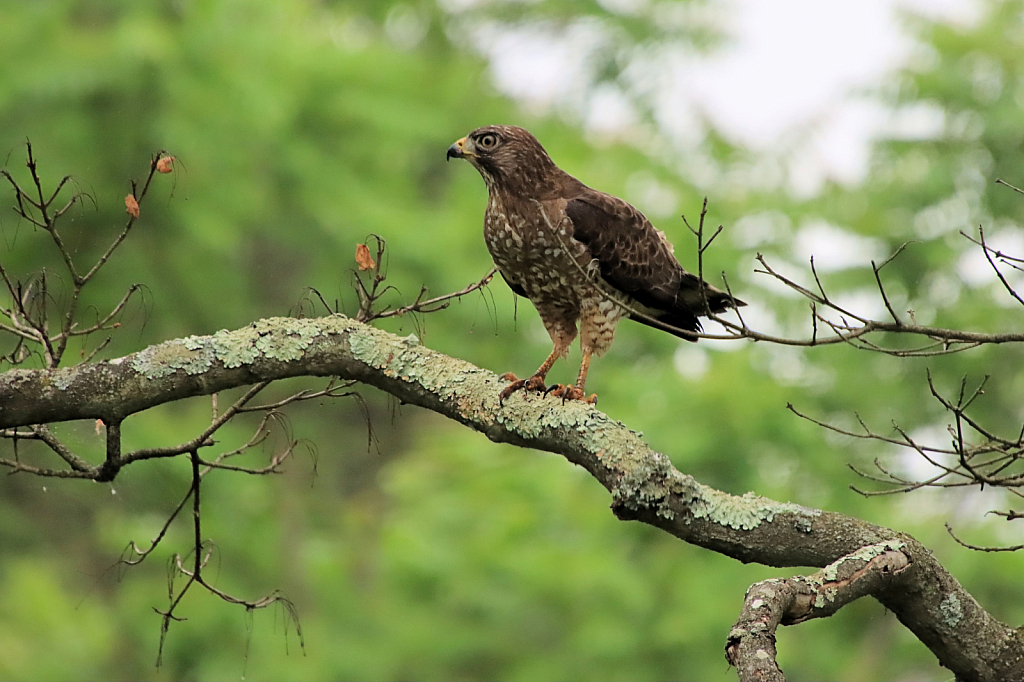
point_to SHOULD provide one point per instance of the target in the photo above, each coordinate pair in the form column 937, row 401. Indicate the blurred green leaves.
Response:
column 302, row 127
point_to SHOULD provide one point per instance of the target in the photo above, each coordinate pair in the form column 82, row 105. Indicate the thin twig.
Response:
column 979, row 548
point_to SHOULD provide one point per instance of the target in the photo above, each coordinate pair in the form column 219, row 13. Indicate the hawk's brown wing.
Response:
column 637, row 260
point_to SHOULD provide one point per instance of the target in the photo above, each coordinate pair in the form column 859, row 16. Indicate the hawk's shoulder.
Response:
column 633, row 255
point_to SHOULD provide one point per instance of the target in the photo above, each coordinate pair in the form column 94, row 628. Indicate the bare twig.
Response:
column 988, row 251
column 439, row 302
column 36, row 208
column 202, row 440
column 371, row 291
column 980, row 548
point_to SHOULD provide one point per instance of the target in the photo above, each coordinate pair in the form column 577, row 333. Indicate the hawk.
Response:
column 580, row 256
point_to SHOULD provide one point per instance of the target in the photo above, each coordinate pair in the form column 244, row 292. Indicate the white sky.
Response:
column 794, row 59
column 794, row 66
column 785, row 79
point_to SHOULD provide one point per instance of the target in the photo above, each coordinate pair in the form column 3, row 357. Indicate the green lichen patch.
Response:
column 650, row 482
column 743, row 513
column 407, row 360
column 830, row 574
column 285, row 347
column 276, row 338
column 62, row 378
column 167, row 358
column 952, row 610
column 826, row 595
column 279, row 338
column 236, row 348
column 284, row 338
column 520, row 414
column 196, row 342
column 864, row 554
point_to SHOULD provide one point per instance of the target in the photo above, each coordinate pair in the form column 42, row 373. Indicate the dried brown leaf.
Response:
column 363, row 258
column 131, row 206
column 165, row 164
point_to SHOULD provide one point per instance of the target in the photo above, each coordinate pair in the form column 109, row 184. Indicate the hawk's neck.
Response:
column 537, row 183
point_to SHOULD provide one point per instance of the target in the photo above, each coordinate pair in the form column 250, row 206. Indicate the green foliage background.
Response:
column 425, row 551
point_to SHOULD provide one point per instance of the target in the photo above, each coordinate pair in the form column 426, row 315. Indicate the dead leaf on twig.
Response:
column 131, row 206
column 363, row 258
column 165, row 164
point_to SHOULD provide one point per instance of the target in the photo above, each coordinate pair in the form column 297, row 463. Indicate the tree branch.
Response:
column 643, row 484
column 769, row 603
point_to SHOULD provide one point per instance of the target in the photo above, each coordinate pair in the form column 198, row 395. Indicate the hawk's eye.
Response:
column 487, row 141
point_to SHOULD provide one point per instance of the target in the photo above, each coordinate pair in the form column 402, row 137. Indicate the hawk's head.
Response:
column 506, row 156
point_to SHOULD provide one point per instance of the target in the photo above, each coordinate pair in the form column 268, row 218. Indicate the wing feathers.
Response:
column 635, row 258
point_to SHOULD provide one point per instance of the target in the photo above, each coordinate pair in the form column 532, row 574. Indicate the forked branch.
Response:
column 770, row 603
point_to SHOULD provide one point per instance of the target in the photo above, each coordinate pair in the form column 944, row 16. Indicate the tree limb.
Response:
column 769, row 603
column 643, row 483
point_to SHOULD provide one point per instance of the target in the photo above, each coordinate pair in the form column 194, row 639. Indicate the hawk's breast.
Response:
column 532, row 256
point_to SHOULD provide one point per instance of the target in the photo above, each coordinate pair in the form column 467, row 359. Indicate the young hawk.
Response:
column 579, row 255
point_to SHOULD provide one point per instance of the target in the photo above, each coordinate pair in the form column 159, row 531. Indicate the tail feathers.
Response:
column 679, row 319
column 720, row 301
column 684, row 315
column 689, row 298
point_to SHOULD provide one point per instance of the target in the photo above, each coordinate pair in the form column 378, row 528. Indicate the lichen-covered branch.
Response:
column 769, row 603
column 643, row 483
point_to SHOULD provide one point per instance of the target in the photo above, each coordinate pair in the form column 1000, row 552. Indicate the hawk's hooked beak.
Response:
column 458, row 150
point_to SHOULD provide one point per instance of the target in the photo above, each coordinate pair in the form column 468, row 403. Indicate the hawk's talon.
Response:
column 534, row 383
column 570, row 392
